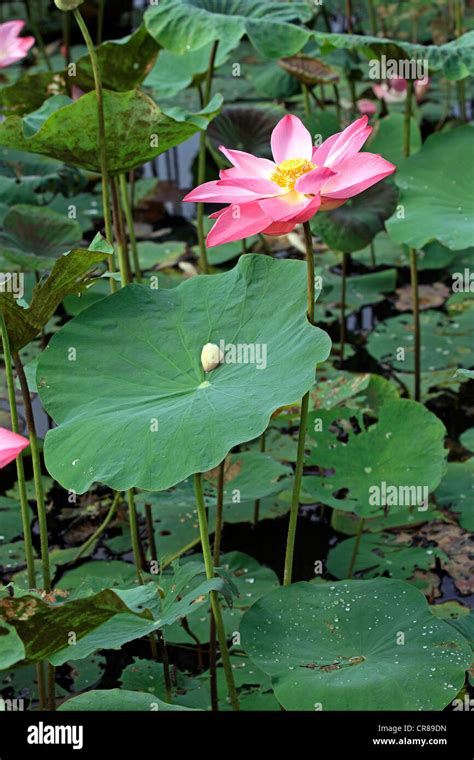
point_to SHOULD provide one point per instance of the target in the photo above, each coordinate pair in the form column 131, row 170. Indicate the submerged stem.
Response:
column 215, row 604
column 290, row 541
column 126, row 205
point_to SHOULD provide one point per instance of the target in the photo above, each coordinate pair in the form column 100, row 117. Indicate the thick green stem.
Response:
column 372, row 17
column 256, row 506
column 215, row 604
column 413, row 262
column 216, row 556
column 355, row 551
column 100, row 21
column 349, row 16
column 342, row 321
column 202, row 163
column 416, row 323
column 290, row 541
column 124, row 264
column 102, row 139
column 37, row 477
column 24, row 508
column 307, row 105
column 97, row 534
column 132, row 516
column 126, row 205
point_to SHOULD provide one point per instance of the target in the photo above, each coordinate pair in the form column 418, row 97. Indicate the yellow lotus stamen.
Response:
column 288, row 172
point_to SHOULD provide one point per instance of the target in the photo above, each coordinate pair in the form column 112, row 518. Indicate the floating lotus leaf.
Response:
column 182, row 25
column 456, row 492
column 125, row 410
column 445, row 341
column 118, row 700
column 337, row 646
column 404, row 449
column 136, row 129
column 308, row 70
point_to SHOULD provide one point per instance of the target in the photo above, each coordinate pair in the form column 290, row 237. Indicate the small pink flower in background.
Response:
column 11, row 444
column 366, row 106
column 13, row 47
column 395, row 89
column 272, row 197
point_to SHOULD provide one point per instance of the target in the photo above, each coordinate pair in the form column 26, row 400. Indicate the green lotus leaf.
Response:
column 337, row 646
column 136, row 129
column 361, row 290
column 70, row 274
column 456, row 491
column 404, row 449
column 11, row 646
column 10, row 519
column 445, row 341
column 247, row 129
column 118, row 700
column 355, row 224
column 434, row 209
column 29, row 92
column 467, row 439
column 382, row 554
column 148, row 676
column 183, row 25
column 173, row 72
column 33, row 237
column 148, row 394
column 454, row 59
column 123, row 63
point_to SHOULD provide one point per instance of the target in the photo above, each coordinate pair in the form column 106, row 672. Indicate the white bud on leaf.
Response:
column 211, row 356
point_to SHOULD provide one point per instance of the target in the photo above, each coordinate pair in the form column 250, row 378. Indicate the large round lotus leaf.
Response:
column 353, row 225
column 355, row 645
column 34, row 236
column 245, row 128
column 136, row 409
column 182, row 25
column 434, row 208
column 405, row 449
column 382, row 554
column 136, row 129
column 454, row 59
column 445, row 341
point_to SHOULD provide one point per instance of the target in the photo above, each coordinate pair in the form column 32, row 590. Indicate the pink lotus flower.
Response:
column 366, row 106
column 395, row 89
column 11, row 444
column 274, row 196
column 13, row 47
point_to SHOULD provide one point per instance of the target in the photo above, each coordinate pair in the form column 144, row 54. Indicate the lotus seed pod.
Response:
column 67, row 5
column 211, row 356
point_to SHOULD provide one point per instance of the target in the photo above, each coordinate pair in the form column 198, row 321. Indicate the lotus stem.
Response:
column 216, row 557
column 127, row 208
column 97, row 534
column 349, row 16
column 215, row 604
column 307, row 105
column 100, row 21
column 35, row 457
column 202, row 163
column 49, row 697
column 256, row 507
column 342, row 322
column 124, row 264
column 372, row 17
column 102, row 139
column 412, row 254
column 290, row 541
column 355, row 551
column 24, row 508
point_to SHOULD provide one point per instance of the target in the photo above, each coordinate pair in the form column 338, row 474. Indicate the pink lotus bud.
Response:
column 11, row 444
